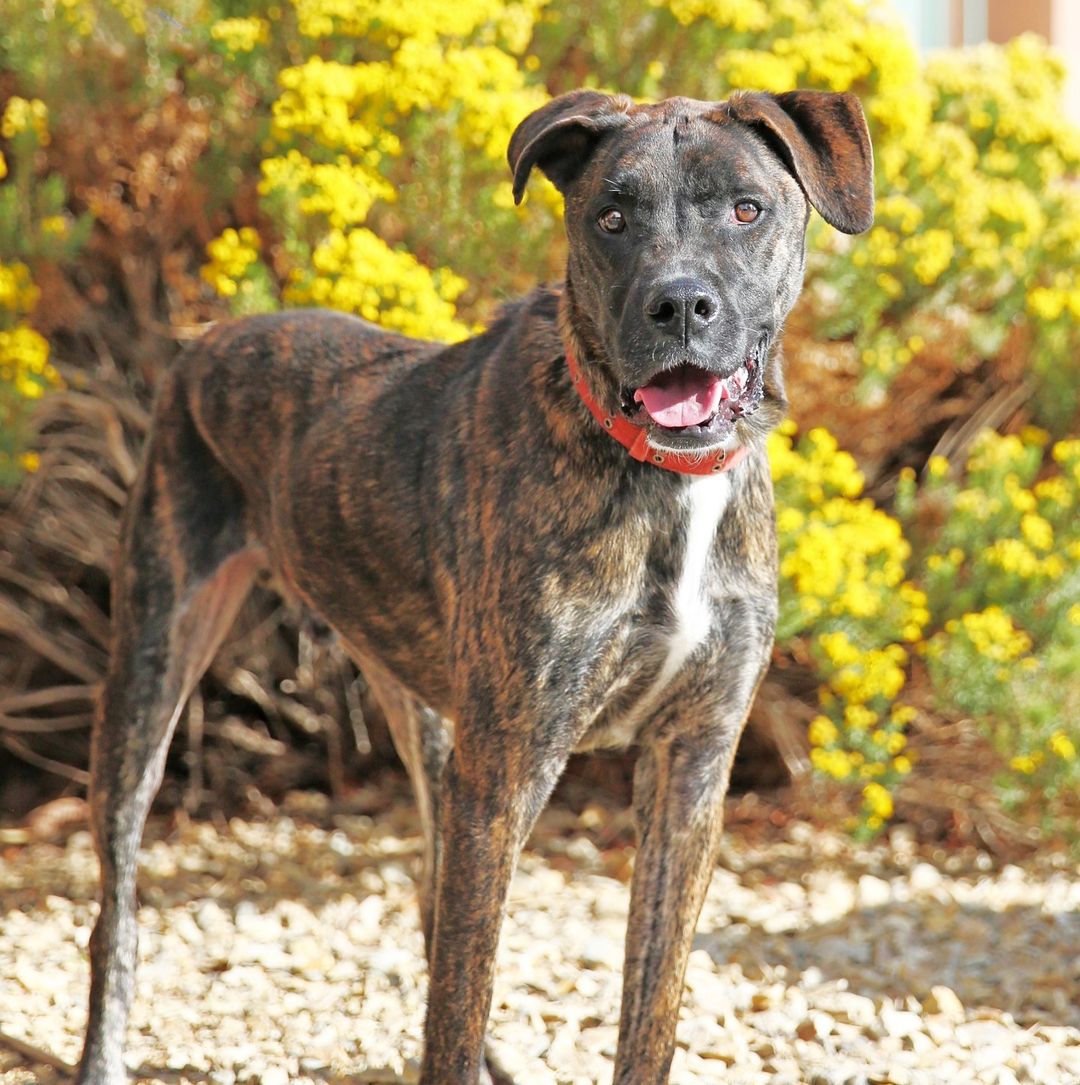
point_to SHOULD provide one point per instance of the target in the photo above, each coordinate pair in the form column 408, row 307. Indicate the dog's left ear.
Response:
column 823, row 139
column 559, row 137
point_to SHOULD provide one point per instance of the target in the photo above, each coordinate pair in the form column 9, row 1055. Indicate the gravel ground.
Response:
column 287, row 950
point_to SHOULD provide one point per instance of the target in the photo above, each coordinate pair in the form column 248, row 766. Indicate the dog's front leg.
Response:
column 679, row 787
column 495, row 785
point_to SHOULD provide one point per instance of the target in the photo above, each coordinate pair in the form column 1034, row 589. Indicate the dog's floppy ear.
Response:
column 823, row 139
column 559, row 136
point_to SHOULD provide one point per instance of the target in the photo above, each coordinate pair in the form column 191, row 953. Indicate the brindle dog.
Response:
column 515, row 584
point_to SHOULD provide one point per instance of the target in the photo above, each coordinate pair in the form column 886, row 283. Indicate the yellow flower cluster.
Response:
column 24, row 353
column 846, row 559
column 341, row 193
column 1015, row 557
column 878, row 800
column 389, row 22
column 24, row 362
column 231, row 255
column 18, row 293
column 931, row 253
column 356, row 271
column 1021, row 532
column 1063, row 746
column 332, row 103
column 835, row 762
column 742, row 16
column 240, row 35
column 876, row 673
column 840, row 554
column 1050, row 303
column 819, row 467
column 1067, row 451
column 832, row 44
column 868, row 746
column 78, row 15
column 822, row 731
column 25, row 115
column 992, row 634
column 1059, row 744
column 351, row 107
column 1012, row 92
column 1027, row 763
column 134, row 13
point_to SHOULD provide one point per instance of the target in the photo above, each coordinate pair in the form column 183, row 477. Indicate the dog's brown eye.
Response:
column 611, row 221
column 746, row 211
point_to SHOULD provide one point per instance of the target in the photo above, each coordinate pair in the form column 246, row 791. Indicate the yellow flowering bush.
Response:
column 445, row 77
column 25, row 370
column 975, row 582
column 235, row 270
column 353, row 156
column 843, row 586
column 1002, row 571
column 33, row 224
column 357, row 272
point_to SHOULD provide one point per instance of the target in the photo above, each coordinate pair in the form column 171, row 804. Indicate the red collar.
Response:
column 636, row 439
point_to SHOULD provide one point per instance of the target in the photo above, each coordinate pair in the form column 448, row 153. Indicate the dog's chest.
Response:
column 673, row 622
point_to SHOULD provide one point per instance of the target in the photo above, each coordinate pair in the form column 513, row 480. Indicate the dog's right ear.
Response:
column 559, row 136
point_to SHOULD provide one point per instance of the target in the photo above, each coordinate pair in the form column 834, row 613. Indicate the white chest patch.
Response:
column 705, row 500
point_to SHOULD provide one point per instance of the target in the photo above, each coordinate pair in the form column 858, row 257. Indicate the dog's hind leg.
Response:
column 422, row 740
column 183, row 571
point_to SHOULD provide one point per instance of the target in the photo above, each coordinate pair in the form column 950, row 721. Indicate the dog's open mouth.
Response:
column 688, row 399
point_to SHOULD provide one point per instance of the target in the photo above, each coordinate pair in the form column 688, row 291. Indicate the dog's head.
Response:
column 687, row 225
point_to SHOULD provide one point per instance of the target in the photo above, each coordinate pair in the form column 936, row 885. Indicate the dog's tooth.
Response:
column 638, row 397
column 725, row 392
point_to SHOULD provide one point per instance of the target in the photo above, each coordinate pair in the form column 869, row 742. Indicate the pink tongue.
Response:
column 684, row 397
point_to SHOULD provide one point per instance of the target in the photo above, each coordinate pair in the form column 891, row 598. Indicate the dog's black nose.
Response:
column 682, row 307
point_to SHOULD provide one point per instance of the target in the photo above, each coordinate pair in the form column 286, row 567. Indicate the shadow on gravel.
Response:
column 1020, row 960
column 200, row 1077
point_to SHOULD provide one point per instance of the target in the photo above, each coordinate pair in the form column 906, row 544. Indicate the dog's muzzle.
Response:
column 692, row 400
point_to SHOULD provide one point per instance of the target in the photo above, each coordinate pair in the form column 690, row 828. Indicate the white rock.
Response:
column 873, row 892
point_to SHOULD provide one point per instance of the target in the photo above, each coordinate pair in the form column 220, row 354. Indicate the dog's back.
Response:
column 280, row 373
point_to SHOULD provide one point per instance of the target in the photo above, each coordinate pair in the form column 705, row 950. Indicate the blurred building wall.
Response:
column 941, row 24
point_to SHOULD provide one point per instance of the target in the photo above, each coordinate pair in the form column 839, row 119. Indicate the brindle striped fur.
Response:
column 514, row 586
